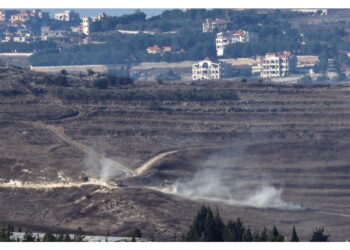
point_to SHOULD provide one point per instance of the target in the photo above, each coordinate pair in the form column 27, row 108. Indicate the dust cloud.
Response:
column 217, row 181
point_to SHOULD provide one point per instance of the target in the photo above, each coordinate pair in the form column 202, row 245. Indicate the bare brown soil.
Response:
column 295, row 137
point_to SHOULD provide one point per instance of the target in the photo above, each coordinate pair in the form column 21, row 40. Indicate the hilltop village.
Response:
column 186, row 45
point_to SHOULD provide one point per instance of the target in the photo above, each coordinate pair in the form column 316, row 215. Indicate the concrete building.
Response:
column 5, row 15
column 226, row 38
column 274, row 65
column 67, row 16
column 86, row 25
column 207, row 70
column 99, row 17
column 155, row 49
column 211, row 25
column 54, row 35
column 321, row 12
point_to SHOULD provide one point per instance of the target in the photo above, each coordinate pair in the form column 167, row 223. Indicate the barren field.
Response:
column 78, row 157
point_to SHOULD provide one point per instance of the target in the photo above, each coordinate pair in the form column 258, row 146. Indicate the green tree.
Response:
column 234, row 230
column 319, row 236
column 79, row 236
column 205, row 227
column 49, row 237
column 294, row 237
column 275, row 235
column 29, row 237
column 247, row 235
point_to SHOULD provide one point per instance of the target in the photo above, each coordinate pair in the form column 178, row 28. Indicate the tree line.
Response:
column 207, row 226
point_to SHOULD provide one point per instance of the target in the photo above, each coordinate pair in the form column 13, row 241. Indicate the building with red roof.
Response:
column 277, row 64
column 230, row 37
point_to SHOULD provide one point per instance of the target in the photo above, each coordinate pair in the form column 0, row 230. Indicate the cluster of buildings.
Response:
column 271, row 65
column 224, row 39
column 155, row 49
column 18, row 28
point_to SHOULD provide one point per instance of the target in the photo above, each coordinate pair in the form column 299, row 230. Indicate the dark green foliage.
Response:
column 79, row 236
column 247, row 236
column 64, row 72
column 49, row 237
column 134, row 233
column 234, row 230
column 6, row 233
column 29, row 237
column 205, row 227
column 262, row 236
column 319, row 236
column 60, row 80
column 294, row 237
column 101, row 83
column 275, row 235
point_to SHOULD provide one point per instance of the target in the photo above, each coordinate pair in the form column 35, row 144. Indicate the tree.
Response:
column 49, row 237
column 234, row 230
column 79, row 236
column 275, row 235
column 205, row 227
column 28, row 237
column 247, row 235
column 294, row 237
column 319, row 236
column 101, row 83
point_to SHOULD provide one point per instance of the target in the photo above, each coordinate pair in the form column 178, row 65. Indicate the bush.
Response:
column 60, row 80
column 134, row 233
column 101, row 83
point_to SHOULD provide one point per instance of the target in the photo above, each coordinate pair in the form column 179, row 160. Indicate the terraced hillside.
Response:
column 148, row 155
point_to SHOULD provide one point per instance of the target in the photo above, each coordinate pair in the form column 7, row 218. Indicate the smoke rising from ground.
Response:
column 209, row 185
column 101, row 167
column 217, row 182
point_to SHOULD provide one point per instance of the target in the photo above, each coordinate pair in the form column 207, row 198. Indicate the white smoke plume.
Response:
column 101, row 167
column 216, row 182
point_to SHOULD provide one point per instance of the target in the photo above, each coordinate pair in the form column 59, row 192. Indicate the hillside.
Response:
column 137, row 155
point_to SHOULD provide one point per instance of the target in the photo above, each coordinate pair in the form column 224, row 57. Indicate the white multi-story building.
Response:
column 218, row 24
column 274, row 65
column 207, row 70
column 86, row 25
column 67, row 16
column 226, row 38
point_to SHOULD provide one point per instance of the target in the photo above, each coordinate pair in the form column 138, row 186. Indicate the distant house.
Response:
column 5, row 15
column 22, row 17
column 230, row 37
column 211, row 25
column 274, row 64
column 155, row 49
column 207, row 70
column 67, row 16
column 54, row 35
column 167, row 49
column 77, row 29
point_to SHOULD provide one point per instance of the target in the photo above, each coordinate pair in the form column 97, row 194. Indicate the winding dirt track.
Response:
column 147, row 165
column 61, row 134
